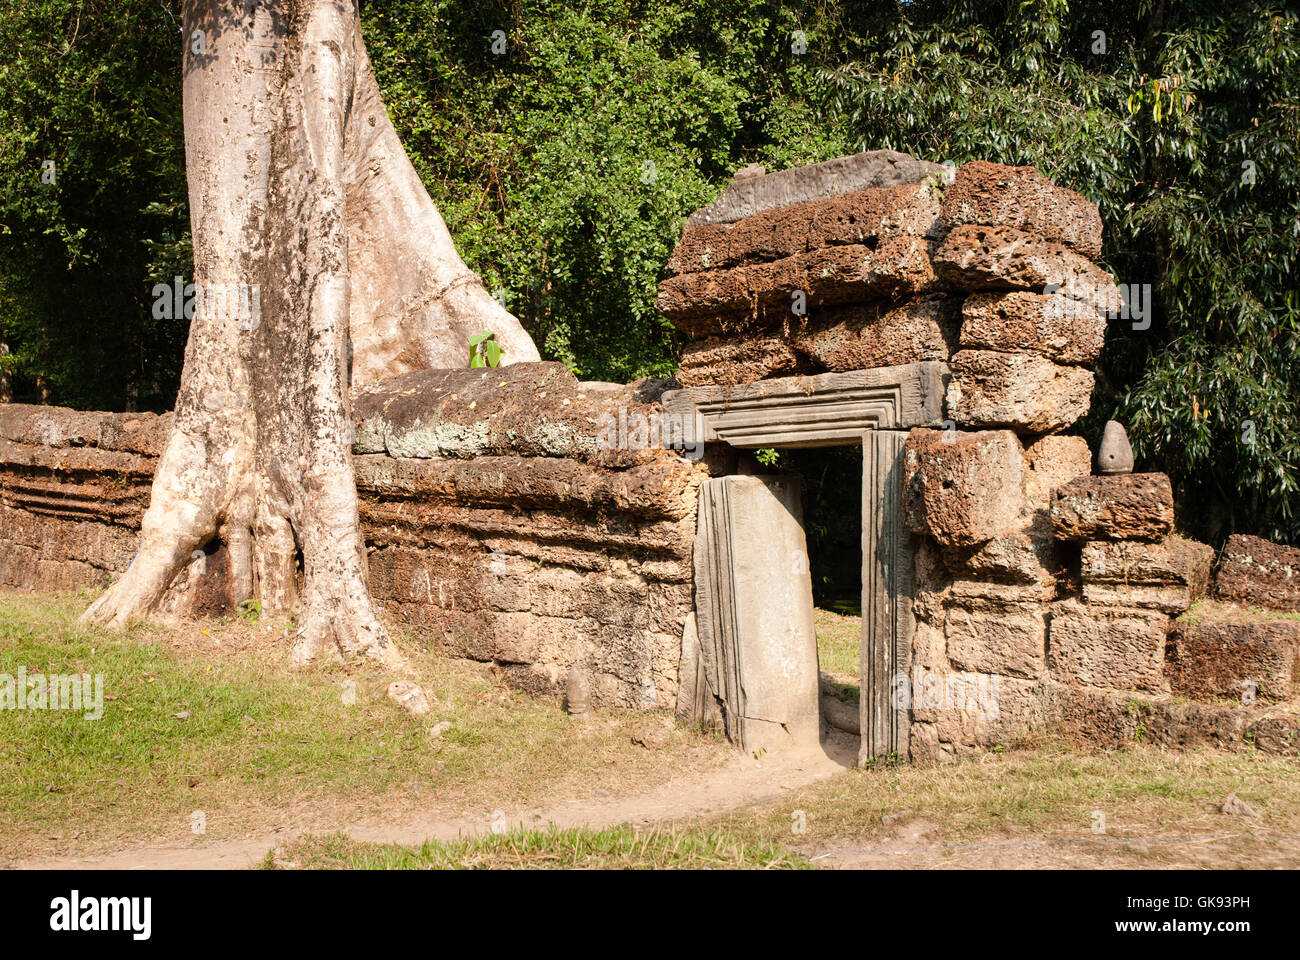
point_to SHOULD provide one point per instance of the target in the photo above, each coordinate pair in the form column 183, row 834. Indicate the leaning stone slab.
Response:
column 754, row 617
column 1001, row 258
column 1234, row 659
column 1168, row 576
column 992, row 195
column 853, row 218
column 1135, row 506
column 962, row 488
column 1259, row 572
column 1116, row 647
column 1025, row 392
column 747, row 196
column 700, row 304
column 1021, row 321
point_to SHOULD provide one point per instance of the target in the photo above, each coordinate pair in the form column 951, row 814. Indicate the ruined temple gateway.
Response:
column 941, row 320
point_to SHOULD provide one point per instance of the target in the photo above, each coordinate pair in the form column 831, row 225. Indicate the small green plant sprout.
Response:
column 484, row 351
column 767, row 457
column 250, row 610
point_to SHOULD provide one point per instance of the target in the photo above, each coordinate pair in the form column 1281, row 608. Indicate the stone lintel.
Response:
column 810, row 411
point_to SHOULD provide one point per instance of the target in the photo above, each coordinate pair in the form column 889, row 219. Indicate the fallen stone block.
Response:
column 1021, row 321
column 962, row 488
column 992, row 195
column 1260, row 572
column 1001, row 258
column 865, row 336
column 1135, row 506
column 852, row 218
column 1168, row 576
column 1237, row 660
column 749, row 195
column 1278, row 735
column 408, row 696
column 1114, row 647
column 996, row 638
column 1020, row 391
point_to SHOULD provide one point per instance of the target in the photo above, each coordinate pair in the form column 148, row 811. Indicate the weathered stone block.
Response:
column 1135, row 506
column 1019, row 558
column 1167, row 576
column 743, row 360
column 1231, row 659
column 1259, row 572
column 1051, row 461
column 1021, row 321
column 1020, row 391
column 1107, row 646
column 990, row 637
column 852, row 218
column 962, row 488
column 1001, row 258
column 864, row 336
column 1278, row 735
column 702, row 304
column 746, row 196
column 997, row 711
column 993, row 195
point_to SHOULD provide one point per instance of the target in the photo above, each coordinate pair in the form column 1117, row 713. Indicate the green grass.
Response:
column 839, row 642
column 1047, row 791
column 262, row 740
column 619, row 848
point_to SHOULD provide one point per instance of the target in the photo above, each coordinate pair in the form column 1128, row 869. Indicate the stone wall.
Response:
column 1045, row 597
column 519, row 516
column 502, row 524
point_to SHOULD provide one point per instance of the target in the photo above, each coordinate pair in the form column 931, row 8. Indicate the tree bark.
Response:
column 305, row 209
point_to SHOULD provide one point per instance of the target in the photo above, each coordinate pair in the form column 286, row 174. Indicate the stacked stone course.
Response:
column 502, row 525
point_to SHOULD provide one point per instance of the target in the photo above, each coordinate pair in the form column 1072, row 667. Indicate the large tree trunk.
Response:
column 299, row 191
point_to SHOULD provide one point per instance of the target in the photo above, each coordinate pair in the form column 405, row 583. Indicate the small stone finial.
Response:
column 750, row 170
column 1115, row 454
column 577, row 692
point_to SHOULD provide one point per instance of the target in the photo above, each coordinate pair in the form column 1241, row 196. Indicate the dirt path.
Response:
column 740, row 782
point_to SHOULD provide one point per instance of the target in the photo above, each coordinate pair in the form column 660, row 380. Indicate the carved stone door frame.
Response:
column 874, row 408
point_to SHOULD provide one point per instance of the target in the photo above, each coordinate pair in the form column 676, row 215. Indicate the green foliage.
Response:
column 484, row 351
column 566, row 166
column 93, row 86
column 1156, row 130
